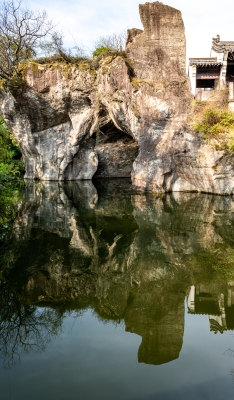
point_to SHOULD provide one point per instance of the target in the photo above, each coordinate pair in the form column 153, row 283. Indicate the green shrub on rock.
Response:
column 102, row 51
column 216, row 125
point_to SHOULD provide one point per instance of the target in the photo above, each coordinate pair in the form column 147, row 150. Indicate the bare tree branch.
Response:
column 21, row 31
column 115, row 41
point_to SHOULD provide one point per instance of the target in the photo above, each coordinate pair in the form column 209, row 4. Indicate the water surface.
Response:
column 107, row 294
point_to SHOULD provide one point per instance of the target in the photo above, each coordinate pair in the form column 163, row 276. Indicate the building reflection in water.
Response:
column 219, row 306
column 129, row 257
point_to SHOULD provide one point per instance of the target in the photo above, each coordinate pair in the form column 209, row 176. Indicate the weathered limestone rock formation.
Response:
column 125, row 118
column 158, row 52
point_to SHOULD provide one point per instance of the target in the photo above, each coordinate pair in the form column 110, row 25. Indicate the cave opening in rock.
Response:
column 116, row 151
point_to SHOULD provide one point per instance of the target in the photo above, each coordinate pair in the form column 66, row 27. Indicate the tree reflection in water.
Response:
column 24, row 327
column 129, row 257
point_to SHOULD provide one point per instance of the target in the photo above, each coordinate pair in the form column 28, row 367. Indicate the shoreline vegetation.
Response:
column 11, row 163
column 11, row 179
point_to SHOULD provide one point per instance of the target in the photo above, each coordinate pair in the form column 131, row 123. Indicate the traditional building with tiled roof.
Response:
column 216, row 72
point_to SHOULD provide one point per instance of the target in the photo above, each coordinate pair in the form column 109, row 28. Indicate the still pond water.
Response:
column 107, row 294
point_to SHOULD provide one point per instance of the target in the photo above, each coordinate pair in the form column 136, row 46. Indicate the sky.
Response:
column 82, row 22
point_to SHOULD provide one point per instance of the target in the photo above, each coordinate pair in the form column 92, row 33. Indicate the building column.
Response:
column 193, row 78
column 191, row 299
column 223, row 72
column 231, row 90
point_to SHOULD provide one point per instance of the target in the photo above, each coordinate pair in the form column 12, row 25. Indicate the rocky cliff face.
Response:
column 125, row 118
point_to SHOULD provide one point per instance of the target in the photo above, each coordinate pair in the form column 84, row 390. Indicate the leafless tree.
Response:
column 24, row 327
column 21, row 30
column 114, row 41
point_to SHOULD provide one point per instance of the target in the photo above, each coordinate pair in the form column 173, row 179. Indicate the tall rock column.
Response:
column 162, row 93
column 160, row 50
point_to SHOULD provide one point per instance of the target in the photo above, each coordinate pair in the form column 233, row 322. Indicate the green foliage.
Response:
column 108, row 51
column 11, row 169
column 10, row 200
column 11, row 166
column 103, row 51
column 216, row 125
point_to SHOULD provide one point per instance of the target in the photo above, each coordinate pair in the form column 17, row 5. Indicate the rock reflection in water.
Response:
column 129, row 257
